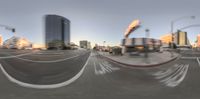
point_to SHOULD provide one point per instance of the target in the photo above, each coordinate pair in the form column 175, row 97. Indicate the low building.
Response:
column 39, row 46
column 85, row 44
column 1, row 40
column 166, row 39
column 198, row 41
column 17, row 43
column 139, row 44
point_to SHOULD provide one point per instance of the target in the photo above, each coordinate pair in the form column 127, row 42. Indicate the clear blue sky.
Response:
column 98, row 20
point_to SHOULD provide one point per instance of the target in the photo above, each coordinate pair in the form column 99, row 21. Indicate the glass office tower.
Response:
column 57, row 32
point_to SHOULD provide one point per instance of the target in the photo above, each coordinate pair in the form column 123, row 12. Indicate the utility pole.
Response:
column 146, row 43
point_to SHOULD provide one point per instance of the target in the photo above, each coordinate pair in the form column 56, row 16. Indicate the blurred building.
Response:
column 17, row 43
column 57, row 29
column 198, row 41
column 166, row 39
column 139, row 44
column 181, row 39
column 85, row 44
column 38, row 46
column 1, row 40
column 132, row 45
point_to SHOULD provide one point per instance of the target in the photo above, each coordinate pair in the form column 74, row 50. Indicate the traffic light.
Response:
column 13, row 30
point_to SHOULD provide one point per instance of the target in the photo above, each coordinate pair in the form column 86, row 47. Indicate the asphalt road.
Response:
column 103, row 79
column 33, row 69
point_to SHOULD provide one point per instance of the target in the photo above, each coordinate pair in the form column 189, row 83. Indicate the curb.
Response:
column 140, row 66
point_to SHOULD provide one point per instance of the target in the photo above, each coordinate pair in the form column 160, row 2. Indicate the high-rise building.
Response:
column 181, row 39
column 85, row 44
column 1, row 40
column 57, row 32
column 198, row 40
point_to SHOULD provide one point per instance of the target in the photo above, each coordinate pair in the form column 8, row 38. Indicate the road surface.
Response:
column 103, row 79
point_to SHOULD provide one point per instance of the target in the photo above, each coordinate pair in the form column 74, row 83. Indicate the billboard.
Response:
column 135, row 24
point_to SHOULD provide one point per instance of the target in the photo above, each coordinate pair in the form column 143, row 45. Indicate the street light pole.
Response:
column 146, row 43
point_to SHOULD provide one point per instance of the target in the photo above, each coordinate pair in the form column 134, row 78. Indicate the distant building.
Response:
column 1, row 40
column 38, row 46
column 57, row 32
column 198, row 40
column 85, row 44
column 166, row 39
column 139, row 44
column 17, row 43
column 181, row 39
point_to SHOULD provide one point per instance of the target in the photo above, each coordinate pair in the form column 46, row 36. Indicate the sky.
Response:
column 99, row 20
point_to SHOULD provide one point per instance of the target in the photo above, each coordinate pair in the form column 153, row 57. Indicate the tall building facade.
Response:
column 57, row 31
column 1, row 40
column 181, row 39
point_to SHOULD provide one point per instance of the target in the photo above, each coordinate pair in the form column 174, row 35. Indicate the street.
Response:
column 101, row 79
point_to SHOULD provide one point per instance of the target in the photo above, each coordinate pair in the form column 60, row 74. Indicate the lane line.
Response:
column 51, row 86
column 28, row 60
column 173, row 74
column 95, row 69
column 166, row 71
column 198, row 61
column 53, row 61
column 173, row 81
column 169, row 72
column 14, row 56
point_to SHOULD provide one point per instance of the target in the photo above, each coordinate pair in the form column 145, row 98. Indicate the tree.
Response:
column 56, row 44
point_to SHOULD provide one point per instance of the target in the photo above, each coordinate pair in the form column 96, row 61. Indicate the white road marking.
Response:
column 169, row 72
column 176, row 80
column 198, row 61
column 95, row 69
column 51, row 86
column 52, row 61
column 105, row 67
column 173, row 76
column 14, row 56
column 28, row 60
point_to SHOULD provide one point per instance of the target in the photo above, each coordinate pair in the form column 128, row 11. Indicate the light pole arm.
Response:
column 180, row 18
column 190, row 26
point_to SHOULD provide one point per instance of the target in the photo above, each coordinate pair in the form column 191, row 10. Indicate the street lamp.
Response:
column 172, row 26
column 147, row 33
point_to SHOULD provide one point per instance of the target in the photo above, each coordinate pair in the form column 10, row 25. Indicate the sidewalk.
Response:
column 153, row 59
